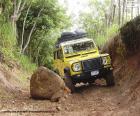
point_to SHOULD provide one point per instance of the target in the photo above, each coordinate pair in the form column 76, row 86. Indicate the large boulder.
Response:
column 45, row 84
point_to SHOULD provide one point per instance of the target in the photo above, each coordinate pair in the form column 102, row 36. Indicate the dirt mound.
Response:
column 130, row 35
column 11, row 83
column 124, row 50
column 115, row 48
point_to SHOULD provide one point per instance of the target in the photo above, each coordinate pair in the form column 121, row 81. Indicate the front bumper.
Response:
column 86, row 76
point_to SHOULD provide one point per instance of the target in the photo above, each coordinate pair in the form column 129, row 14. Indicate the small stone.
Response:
column 62, row 99
column 66, row 108
column 58, row 108
column 118, row 103
column 66, row 96
column 13, row 102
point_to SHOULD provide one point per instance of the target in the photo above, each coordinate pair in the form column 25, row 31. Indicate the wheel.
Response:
column 69, row 84
column 91, row 81
column 110, row 79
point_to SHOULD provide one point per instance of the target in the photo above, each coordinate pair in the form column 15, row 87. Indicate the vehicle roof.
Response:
column 75, row 41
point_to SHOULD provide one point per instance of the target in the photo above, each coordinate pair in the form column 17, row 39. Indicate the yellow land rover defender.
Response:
column 77, row 59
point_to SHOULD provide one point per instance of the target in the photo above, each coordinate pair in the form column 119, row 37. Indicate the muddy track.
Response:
column 87, row 101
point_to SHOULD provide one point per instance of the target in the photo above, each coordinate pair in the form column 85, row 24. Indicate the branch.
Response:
column 18, row 7
column 15, row 6
column 30, row 34
column 23, row 5
column 23, row 28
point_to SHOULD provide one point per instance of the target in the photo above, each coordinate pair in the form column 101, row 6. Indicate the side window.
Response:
column 59, row 54
column 55, row 55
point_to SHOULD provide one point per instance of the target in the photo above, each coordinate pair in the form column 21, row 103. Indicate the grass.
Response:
column 22, row 65
column 8, row 46
column 26, row 63
column 110, row 32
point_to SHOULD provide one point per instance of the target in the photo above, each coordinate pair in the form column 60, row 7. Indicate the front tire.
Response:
column 110, row 79
column 69, row 84
column 91, row 81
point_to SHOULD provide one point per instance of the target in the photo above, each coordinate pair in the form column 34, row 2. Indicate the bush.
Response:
column 102, row 39
column 9, row 48
column 26, row 63
column 8, row 39
column 130, row 35
column 7, row 35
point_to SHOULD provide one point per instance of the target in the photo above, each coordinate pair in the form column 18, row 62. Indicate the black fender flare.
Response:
column 67, row 71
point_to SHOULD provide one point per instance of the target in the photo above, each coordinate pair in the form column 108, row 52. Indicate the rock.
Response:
column 13, row 102
column 58, row 108
column 66, row 108
column 45, row 84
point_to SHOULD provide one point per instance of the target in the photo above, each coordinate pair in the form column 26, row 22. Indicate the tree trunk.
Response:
column 30, row 34
column 126, row 12
column 23, row 29
column 124, row 4
column 132, row 11
column 113, row 15
column 1, row 8
column 138, row 11
column 119, row 12
column 18, row 7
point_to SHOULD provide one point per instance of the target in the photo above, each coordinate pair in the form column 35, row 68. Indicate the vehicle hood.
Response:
column 82, row 57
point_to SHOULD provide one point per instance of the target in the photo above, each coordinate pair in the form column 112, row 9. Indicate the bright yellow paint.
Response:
column 68, row 60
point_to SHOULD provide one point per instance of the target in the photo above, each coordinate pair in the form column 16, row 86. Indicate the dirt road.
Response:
column 89, row 100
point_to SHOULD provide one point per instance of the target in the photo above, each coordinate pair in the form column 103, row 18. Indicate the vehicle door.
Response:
column 59, row 62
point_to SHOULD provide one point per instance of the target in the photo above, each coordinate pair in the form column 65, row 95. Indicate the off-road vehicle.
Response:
column 77, row 59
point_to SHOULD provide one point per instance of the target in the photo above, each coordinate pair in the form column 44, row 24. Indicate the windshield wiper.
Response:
column 72, row 55
column 89, row 52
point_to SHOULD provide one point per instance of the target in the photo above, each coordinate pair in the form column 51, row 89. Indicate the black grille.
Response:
column 92, row 64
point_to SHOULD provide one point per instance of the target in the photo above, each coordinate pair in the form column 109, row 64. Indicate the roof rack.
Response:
column 68, row 36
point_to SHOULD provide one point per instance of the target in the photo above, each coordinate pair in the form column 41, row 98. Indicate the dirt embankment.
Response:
column 13, row 81
column 125, row 53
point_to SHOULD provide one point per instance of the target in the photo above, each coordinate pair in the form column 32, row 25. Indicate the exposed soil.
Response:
column 89, row 100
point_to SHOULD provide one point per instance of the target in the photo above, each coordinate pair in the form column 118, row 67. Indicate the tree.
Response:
column 106, row 13
column 99, row 17
column 38, row 28
column 123, row 10
column 33, row 26
column 101, row 22
column 119, row 12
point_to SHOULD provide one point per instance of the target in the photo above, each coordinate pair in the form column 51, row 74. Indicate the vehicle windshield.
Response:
column 77, row 47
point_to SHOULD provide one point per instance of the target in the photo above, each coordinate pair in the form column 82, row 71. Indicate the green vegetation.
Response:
column 96, row 23
column 109, row 33
column 105, row 17
column 130, row 36
column 29, row 30
column 8, row 39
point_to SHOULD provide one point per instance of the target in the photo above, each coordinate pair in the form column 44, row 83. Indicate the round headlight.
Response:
column 104, row 60
column 76, row 66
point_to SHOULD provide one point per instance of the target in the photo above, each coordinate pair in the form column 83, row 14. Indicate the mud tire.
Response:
column 69, row 84
column 110, row 79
